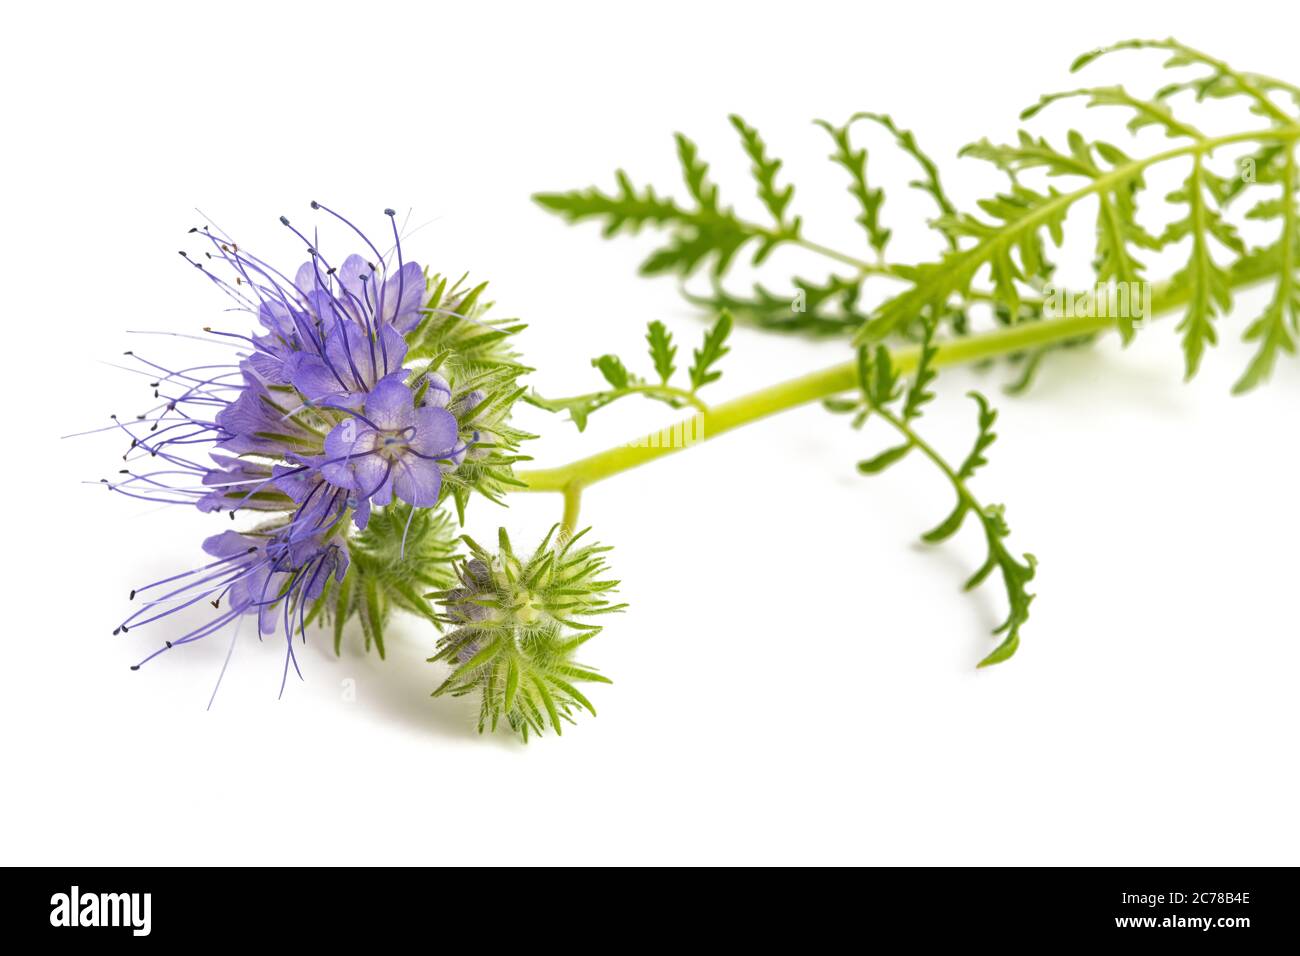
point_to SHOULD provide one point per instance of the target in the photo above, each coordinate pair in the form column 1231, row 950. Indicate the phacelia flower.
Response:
column 319, row 417
column 391, row 447
column 274, row 573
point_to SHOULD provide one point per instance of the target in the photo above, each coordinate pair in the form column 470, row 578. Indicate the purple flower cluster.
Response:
column 315, row 422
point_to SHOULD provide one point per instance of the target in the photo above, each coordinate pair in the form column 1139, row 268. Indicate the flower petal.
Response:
column 436, row 431
column 391, row 405
column 417, row 481
column 403, row 297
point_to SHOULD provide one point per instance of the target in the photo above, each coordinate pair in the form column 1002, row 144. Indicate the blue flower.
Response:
column 392, row 447
column 312, row 421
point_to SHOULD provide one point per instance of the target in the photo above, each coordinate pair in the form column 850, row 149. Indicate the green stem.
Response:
column 861, row 265
column 718, row 419
column 662, row 392
column 800, row 391
column 913, row 438
column 572, row 504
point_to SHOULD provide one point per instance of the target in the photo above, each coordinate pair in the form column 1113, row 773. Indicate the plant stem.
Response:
column 860, row 265
column 716, row 420
column 572, row 504
column 800, row 391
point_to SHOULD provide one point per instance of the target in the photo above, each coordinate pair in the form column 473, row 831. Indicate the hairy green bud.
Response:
column 515, row 625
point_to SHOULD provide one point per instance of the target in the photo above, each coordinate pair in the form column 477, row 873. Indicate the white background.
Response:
column 795, row 680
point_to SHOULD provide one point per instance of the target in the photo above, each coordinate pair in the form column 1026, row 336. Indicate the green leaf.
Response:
column 919, row 394
column 662, row 350
column 775, row 198
column 1146, row 112
column 695, row 173
column 929, row 182
column 950, row 525
column 1221, row 81
column 697, row 235
column 1030, row 152
column 1275, row 329
column 1012, row 249
column 854, row 162
column 985, row 437
column 877, row 376
column 872, row 466
column 710, row 352
column 1016, row 573
column 611, row 366
column 813, row 308
column 1203, row 281
column 1003, row 652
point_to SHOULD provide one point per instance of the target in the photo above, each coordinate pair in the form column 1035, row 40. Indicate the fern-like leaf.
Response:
column 623, row 382
column 662, row 350
column 1203, row 279
column 929, row 182
column 775, row 198
column 869, row 200
column 878, row 385
column 1276, row 328
column 710, row 352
